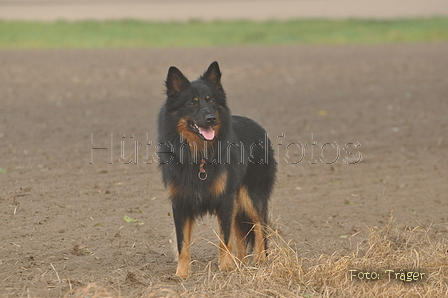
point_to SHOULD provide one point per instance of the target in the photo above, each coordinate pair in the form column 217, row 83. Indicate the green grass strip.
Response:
column 137, row 34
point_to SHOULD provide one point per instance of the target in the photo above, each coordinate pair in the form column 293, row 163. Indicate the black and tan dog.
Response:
column 214, row 163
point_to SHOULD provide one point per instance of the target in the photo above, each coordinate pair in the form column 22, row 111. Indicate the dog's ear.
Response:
column 213, row 75
column 175, row 81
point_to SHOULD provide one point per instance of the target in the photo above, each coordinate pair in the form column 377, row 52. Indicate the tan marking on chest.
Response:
column 218, row 186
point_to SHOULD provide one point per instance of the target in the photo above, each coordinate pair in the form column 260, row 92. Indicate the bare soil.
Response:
column 63, row 204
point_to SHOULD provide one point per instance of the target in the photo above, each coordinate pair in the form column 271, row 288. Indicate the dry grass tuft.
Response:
column 89, row 291
column 286, row 274
column 410, row 253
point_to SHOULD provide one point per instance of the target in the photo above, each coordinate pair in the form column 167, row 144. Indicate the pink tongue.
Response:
column 207, row 132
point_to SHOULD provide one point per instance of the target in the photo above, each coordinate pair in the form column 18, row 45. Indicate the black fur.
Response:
column 239, row 151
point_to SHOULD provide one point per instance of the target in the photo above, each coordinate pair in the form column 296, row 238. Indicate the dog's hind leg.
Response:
column 253, row 221
column 260, row 242
column 240, row 238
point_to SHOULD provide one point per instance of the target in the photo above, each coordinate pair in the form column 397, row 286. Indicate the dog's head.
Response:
column 196, row 105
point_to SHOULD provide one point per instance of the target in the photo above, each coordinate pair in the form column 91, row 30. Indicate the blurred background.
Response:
column 143, row 23
column 172, row 10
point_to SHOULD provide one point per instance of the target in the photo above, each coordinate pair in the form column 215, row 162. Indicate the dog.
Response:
column 214, row 163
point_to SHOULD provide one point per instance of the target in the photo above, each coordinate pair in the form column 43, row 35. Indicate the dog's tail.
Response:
column 246, row 225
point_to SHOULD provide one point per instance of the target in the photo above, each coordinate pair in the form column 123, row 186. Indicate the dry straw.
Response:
column 399, row 262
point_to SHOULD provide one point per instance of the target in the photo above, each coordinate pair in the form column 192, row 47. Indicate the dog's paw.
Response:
column 183, row 270
column 226, row 262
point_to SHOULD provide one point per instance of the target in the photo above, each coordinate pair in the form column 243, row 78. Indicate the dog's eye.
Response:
column 210, row 100
column 192, row 103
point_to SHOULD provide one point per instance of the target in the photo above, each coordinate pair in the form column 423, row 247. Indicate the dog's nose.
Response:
column 210, row 118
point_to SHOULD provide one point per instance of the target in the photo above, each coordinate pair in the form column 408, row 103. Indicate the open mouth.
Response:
column 207, row 133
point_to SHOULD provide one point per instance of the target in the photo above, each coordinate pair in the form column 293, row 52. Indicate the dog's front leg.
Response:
column 225, row 221
column 184, row 229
